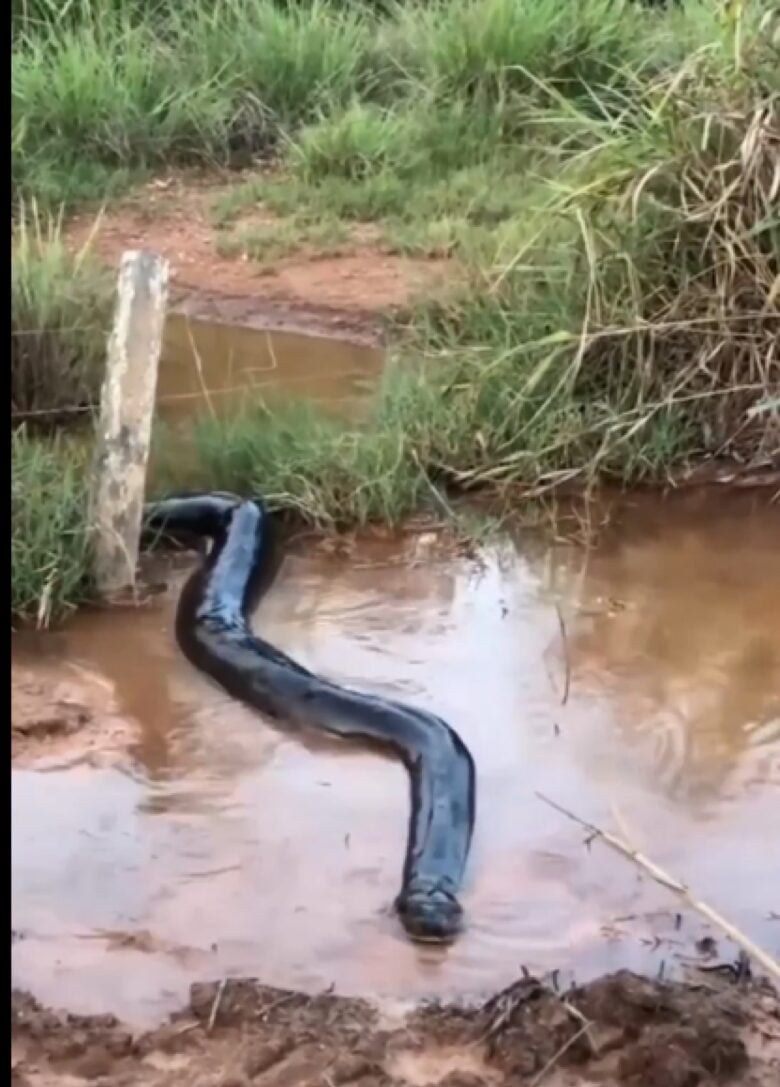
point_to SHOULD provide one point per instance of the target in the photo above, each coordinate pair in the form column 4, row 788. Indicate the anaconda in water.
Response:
column 213, row 631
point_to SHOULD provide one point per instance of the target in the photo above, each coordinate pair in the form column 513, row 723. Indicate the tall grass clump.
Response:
column 632, row 321
column 118, row 89
column 60, row 314
column 417, row 143
column 468, row 46
column 300, row 459
column 104, row 91
column 49, row 528
column 292, row 60
column 60, row 307
column 103, row 95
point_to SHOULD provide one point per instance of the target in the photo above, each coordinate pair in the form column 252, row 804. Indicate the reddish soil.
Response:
column 618, row 1030
column 173, row 217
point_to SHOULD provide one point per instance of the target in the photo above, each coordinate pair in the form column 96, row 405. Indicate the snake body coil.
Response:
column 214, row 633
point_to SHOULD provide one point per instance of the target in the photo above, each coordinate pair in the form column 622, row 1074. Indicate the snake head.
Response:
column 430, row 914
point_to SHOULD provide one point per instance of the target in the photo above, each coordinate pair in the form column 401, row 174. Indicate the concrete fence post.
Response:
column 125, row 427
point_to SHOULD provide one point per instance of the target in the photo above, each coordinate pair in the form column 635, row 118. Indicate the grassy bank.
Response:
column 107, row 90
column 60, row 304
column 49, row 539
column 603, row 176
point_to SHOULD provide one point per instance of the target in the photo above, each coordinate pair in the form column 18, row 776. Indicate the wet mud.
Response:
column 618, row 1030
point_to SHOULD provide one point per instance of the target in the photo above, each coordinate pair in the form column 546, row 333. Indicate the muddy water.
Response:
column 219, row 846
column 213, row 366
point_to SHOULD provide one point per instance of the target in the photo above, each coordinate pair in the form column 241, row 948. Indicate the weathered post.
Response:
column 125, row 426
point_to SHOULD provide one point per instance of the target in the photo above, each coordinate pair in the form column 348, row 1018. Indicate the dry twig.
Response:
column 557, row 1055
column 660, row 876
column 566, row 655
column 215, row 1006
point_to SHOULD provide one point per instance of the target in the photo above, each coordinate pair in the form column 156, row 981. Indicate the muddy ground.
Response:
column 344, row 290
column 619, row 1029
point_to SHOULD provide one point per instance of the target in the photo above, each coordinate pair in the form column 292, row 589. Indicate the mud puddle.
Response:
column 206, row 845
column 217, row 365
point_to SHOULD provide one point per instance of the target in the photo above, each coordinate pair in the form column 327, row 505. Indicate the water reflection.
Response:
column 680, row 628
column 234, row 848
column 213, row 366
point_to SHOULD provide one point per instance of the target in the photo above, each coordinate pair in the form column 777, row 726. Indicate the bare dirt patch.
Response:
column 173, row 217
column 618, row 1030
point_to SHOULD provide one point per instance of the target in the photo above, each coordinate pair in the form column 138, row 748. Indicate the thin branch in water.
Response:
column 204, row 389
column 771, row 965
column 566, row 655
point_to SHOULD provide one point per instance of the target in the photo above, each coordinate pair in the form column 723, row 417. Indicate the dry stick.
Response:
column 437, row 495
column 566, row 656
column 557, row 1055
column 204, row 390
column 215, row 1006
column 660, row 876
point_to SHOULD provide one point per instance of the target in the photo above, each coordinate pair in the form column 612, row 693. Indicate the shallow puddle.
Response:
column 221, row 846
column 215, row 366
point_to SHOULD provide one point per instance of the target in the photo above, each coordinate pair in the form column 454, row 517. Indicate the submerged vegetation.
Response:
column 603, row 176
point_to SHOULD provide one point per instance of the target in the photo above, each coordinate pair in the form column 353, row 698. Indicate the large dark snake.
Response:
column 213, row 631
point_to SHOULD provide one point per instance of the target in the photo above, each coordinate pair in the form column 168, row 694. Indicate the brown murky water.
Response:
column 221, row 846
column 212, row 366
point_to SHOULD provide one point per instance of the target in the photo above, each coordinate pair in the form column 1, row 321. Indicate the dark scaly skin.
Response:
column 213, row 631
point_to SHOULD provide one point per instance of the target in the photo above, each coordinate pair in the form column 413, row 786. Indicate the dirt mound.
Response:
column 618, row 1030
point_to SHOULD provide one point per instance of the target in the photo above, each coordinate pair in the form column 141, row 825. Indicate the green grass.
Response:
column 49, row 536
column 601, row 175
column 105, row 91
column 265, row 243
column 122, row 89
column 60, row 304
column 302, row 460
